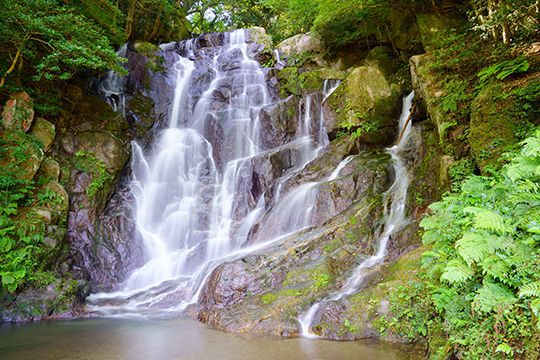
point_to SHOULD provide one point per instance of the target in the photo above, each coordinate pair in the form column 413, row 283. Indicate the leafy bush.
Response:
column 21, row 239
column 483, row 270
column 342, row 23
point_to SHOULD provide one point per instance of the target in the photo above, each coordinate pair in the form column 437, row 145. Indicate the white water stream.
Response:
column 189, row 186
column 395, row 219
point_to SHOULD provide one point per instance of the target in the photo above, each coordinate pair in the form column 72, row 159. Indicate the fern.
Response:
column 457, row 272
column 472, row 247
column 496, row 267
column 493, row 296
column 504, row 69
column 530, row 290
column 487, row 219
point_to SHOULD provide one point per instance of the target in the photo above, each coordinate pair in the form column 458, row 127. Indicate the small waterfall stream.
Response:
column 113, row 85
column 395, row 219
column 190, row 210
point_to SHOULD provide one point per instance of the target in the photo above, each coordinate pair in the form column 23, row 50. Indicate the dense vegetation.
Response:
column 483, row 269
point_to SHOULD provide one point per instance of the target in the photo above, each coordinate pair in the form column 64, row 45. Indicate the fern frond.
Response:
column 522, row 168
column 457, row 271
column 472, row 247
column 531, row 146
column 495, row 267
column 487, row 219
column 530, row 289
column 492, row 296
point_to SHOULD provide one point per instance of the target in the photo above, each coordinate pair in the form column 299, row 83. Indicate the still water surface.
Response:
column 182, row 338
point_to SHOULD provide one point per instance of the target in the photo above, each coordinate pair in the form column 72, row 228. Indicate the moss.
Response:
column 101, row 179
column 149, row 50
column 268, row 299
column 491, row 132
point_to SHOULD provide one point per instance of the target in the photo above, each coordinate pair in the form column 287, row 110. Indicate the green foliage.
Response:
column 507, row 21
column 268, row 298
column 87, row 162
column 504, row 69
column 52, row 40
column 343, row 23
column 483, row 270
column 21, row 233
column 321, row 279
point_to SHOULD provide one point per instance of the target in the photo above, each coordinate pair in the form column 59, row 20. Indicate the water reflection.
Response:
column 181, row 338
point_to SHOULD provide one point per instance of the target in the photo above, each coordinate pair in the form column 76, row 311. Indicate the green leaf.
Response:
column 487, row 219
column 457, row 271
column 530, row 289
column 472, row 247
column 505, row 348
column 493, row 296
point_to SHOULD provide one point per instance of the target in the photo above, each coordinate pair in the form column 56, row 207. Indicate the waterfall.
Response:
column 191, row 209
column 112, row 87
column 394, row 200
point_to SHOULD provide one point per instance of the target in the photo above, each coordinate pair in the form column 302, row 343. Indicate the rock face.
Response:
column 93, row 150
column 265, row 292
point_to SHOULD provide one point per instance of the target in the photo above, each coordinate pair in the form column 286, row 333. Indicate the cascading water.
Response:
column 190, row 208
column 395, row 219
column 113, row 85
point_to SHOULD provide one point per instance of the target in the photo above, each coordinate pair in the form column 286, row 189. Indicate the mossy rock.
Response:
column 150, row 51
column 491, row 129
column 435, row 27
column 258, row 35
column 427, row 85
column 300, row 44
column 296, row 81
column 60, row 201
column 404, row 31
column 359, row 316
column 44, row 131
column 18, row 112
column 385, row 59
column 50, row 169
column 366, row 99
column 21, row 154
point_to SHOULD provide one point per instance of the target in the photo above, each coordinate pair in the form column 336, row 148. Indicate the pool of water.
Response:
column 181, row 338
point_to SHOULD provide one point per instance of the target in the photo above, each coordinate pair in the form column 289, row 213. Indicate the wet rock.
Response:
column 44, row 131
column 18, row 112
column 276, row 284
column 57, row 300
column 230, row 60
column 279, row 122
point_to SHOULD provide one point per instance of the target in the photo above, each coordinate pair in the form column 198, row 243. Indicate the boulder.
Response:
column 427, row 86
column 44, row 131
column 367, row 101
column 18, row 112
column 301, row 43
column 50, row 169
column 435, row 27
